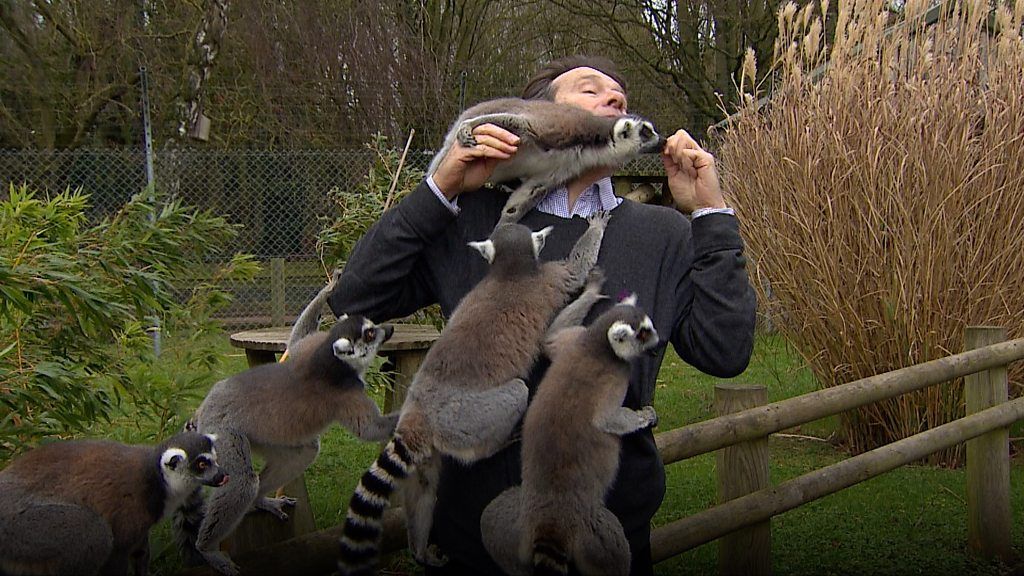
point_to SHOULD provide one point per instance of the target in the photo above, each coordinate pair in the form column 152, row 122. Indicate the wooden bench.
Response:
column 403, row 354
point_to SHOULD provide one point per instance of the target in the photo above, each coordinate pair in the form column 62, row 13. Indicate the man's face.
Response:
column 592, row 90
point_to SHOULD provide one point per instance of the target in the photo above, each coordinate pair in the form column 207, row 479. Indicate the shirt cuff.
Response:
column 705, row 211
column 451, row 205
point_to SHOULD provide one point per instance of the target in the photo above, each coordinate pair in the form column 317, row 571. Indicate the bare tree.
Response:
column 205, row 47
column 69, row 72
column 693, row 48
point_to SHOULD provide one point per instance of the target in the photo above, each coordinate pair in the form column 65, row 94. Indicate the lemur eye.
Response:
column 202, row 464
column 370, row 334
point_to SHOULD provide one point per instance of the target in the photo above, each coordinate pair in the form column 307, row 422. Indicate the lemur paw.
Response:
column 465, row 135
column 276, row 506
column 599, row 219
column 649, row 416
column 335, row 276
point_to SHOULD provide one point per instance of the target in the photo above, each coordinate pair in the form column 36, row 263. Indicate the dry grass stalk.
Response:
column 885, row 202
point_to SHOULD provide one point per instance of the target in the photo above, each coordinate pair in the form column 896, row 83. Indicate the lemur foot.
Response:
column 595, row 281
column 220, row 562
column 275, row 505
column 433, row 556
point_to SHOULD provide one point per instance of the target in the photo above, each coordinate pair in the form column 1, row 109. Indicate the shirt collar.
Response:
column 599, row 196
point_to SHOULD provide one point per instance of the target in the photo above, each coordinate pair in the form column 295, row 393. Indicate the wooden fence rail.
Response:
column 752, row 423
column 703, row 527
column 985, row 429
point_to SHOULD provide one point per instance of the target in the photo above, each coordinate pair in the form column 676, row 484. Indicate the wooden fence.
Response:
column 985, row 429
column 740, row 434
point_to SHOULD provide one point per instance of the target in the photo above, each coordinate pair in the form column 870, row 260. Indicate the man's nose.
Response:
column 615, row 100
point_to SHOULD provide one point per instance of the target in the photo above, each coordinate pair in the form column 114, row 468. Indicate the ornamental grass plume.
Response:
column 882, row 196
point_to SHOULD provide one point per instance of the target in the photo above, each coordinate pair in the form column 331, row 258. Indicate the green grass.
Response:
column 909, row 521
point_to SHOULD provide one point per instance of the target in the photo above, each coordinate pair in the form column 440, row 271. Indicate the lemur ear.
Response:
column 172, row 458
column 539, row 237
column 624, row 128
column 619, row 331
column 628, row 299
column 485, row 248
column 342, row 346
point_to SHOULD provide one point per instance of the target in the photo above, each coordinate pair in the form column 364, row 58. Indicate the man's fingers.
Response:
column 497, row 133
column 682, row 140
column 493, row 147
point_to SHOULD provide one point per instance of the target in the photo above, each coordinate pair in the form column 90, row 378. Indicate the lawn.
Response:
column 910, row 521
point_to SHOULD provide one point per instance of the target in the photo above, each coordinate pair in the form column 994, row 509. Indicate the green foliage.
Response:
column 359, row 209
column 81, row 305
column 388, row 181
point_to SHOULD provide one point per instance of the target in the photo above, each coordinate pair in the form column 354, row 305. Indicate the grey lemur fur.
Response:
column 309, row 319
column 558, row 142
column 279, row 411
column 469, row 392
column 86, row 506
column 570, row 454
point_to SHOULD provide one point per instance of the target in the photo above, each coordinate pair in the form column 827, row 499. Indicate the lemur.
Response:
column 570, row 454
column 558, row 142
column 86, row 506
column 279, row 411
column 469, row 393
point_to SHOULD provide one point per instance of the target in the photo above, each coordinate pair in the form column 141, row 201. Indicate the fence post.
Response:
column 742, row 469
column 988, row 457
column 277, row 291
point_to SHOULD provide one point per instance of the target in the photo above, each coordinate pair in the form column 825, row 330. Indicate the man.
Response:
column 685, row 265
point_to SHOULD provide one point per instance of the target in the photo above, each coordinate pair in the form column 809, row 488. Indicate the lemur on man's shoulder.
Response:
column 557, row 143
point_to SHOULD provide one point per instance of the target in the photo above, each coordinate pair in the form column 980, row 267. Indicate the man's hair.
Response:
column 539, row 86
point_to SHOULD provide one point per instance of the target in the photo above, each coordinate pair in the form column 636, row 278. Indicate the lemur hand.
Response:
column 692, row 176
column 467, row 168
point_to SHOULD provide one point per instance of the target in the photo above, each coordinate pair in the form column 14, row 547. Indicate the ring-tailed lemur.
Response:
column 570, row 454
column 279, row 411
column 86, row 506
column 469, row 393
column 557, row 143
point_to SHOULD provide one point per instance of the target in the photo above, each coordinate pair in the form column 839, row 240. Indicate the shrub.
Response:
column 884, row 203
column 79, row 303
column 389, row 179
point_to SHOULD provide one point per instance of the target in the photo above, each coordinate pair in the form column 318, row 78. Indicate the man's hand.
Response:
column 464, row 169
column 692, row 176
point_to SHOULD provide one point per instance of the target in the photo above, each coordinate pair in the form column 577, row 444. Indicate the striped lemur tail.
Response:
column 549, row 557
column 363, row 529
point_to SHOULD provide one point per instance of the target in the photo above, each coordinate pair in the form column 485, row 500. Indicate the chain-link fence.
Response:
column 279, row 199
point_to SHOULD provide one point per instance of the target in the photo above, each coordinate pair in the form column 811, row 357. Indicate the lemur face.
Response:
column 637, row 134
column 357, row 339
column 633, row 333
column 189, row 460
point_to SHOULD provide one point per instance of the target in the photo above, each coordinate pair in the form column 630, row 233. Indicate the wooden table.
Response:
column 403, row 354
